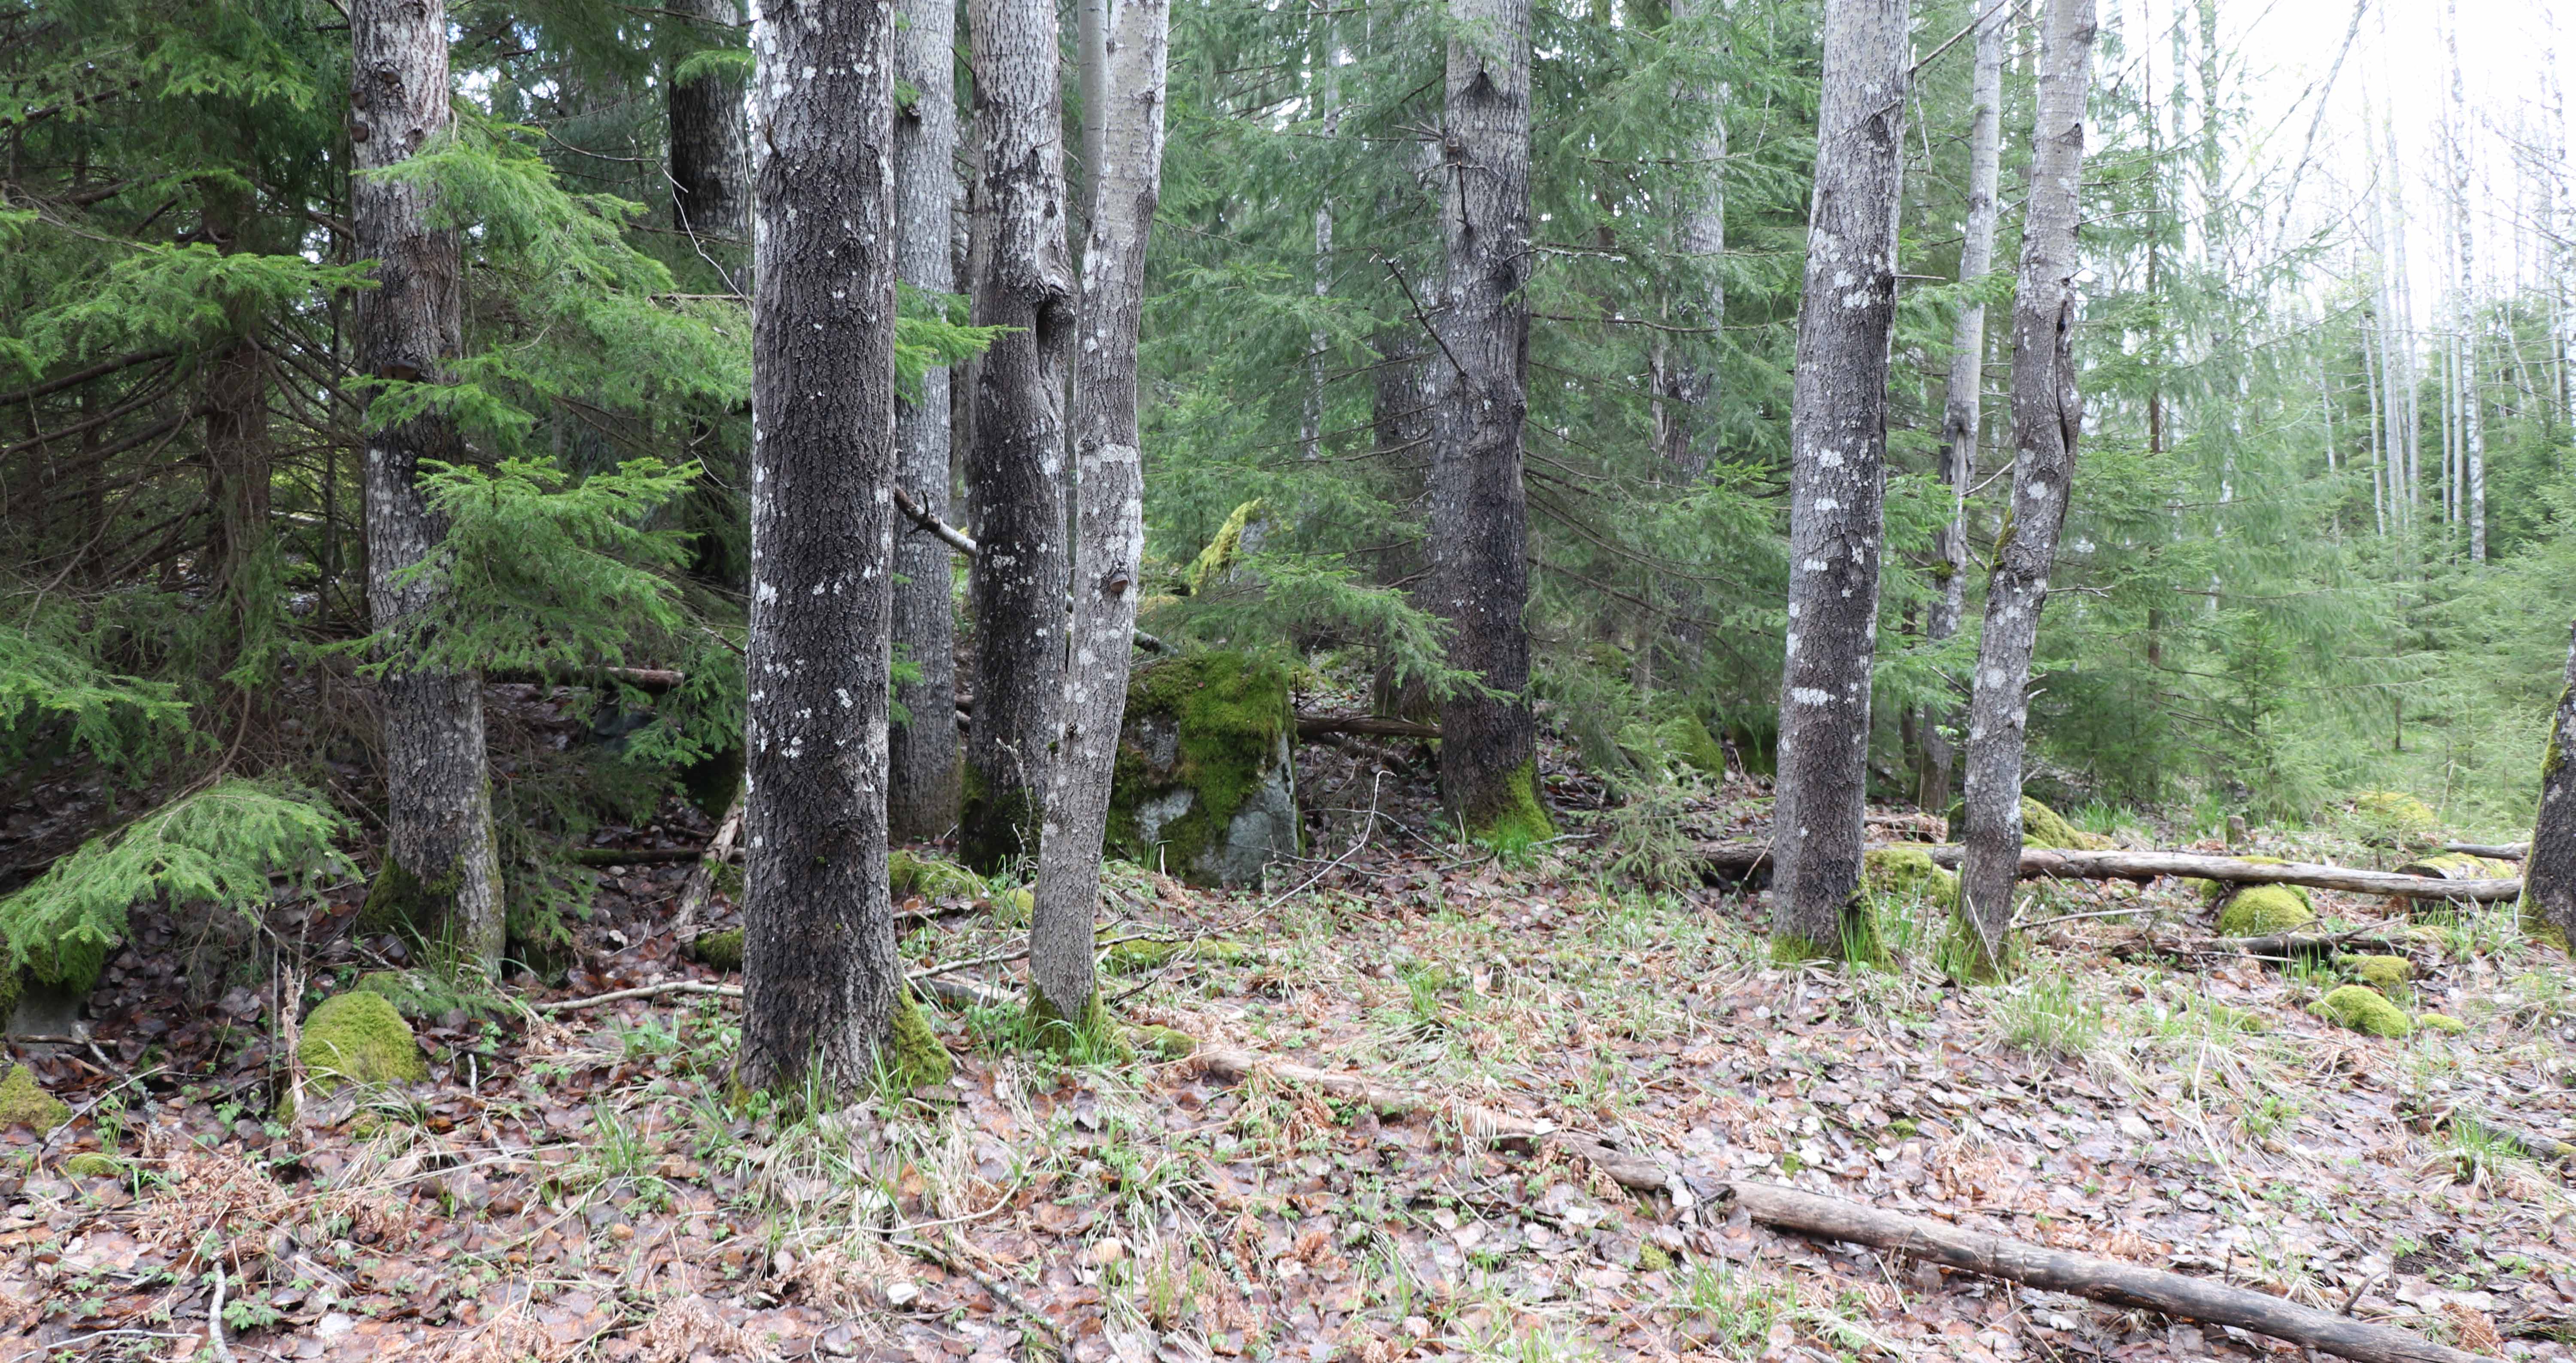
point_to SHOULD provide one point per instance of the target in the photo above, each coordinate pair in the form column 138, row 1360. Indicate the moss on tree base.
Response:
column 994, row 827
column 913, row 1053
column 1515, row 819
column 401, row 902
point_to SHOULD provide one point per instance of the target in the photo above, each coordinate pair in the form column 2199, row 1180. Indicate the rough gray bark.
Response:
column 1479, row 511
column 921, row 775
column 821, row 981
column 441, row 874
column 1964, row 399
column 1015, row 465
column 239, row 456
column 2047, row 417
column 2549, row 871
column 1837, row 473
column 1686, row 377
column 1109, row 508
column 710, row 160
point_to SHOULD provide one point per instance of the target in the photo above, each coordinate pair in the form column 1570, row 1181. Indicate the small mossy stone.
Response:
column 2261, row 910
column 722, row 950
column 92, row 1164
column 2442, row 1022
column 1907, row 872
column 1688, row 739
column 909, row 874
column 358, row 1038
column 1653, row 1258
column 2364, row 1009
column 1162, row 1043
column 24, row 1104
column 2383, row 973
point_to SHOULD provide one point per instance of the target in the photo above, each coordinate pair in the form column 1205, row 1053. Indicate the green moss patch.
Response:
column 2041, row 826
column 24, row 1104
column 92, row 1164
column 2364, row 1009
column 2261, row 910
column 1687, row 739
column 913, row 1052
column 1162, row 1043
column 1217, row 559
column 1205, row 733
column 722, row 950
column 401, row 902
column 995, row 827
column 2382, row 973
column 2443, row 1023
column 1515, row 819
column 2393, row 818
column 1907, row 872
column 359, row 1038
column 909, row 874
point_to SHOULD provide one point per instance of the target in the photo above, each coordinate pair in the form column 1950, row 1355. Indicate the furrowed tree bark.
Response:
column 1015, row 460
column 710, row 159
column 441, row 876
column 1963, row 401
column 2048, row 417
column 822, row 985
column 2549, row 871
column 1479, row 510
column 239, row 458
column 1687, row 373
column 1837, row 476
column 922, row 775
column 1109, row 535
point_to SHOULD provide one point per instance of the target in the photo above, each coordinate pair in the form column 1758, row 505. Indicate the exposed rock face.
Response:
column 1207, row 782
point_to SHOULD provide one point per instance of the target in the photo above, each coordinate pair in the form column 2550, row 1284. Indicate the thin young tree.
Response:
column 921, row 778
column 1015, row 459
column 1109, row 510
column 2470, row 497
column 823, row 994
column 1477, row 380
column 2549, row 874
column 1963, row 400
column 441, row 874
column 2047, row 416
column 1837, row 475
column 1685, row 383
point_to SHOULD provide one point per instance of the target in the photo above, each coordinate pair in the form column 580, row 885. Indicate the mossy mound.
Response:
column 909, row 874
column 2364, row 1009
column 2261, row 910
column 92, row 1164
column 722, row 950
column 1907, row 872
column 1689, row 741
column 2443, row 1023
column 1162, row 1043
column 359, row 1038
column 1205, row 786
column 24, row 1104
column 2041, row 826
column 419, row 994
column 1129, row 958
column 2382, row 973
column 2393, row 818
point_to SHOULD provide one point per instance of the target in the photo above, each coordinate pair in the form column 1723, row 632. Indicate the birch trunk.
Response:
column 921, row 771
column 1962, row 414
column 2047, row 416
column 822, row 985
column 710, row 159
column 1837, row 475
column 1109, row 502
column 441, row 875
column 1479, row 511
column 2471, row 497
column 2549, row 873
column 1015, row 463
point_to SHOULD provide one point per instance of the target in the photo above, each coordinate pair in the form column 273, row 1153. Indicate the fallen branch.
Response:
column 928, row 981
column 702, row 881
column 2046, row 863
column 2501, row 851
column 1318, row 726
column 652, row 681
column 632, row 856
column 920, row 515
column 2521, row 1140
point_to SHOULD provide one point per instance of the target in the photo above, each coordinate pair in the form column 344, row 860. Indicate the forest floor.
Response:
column 574, row 1185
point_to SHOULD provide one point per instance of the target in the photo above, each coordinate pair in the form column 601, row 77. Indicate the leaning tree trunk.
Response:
column 710, row 160
column 441, row 876
column 1837, row 475
column 2549, row 873
column 921, row 778
column 1962, row 417
column 822, row 985
column 2047, row 416
column 1479, row 510
column 1015, row 465
column 1109, row 535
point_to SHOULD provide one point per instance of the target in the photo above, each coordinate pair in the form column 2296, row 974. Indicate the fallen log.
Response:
column 2052, row 863
column 632, row 856
column 2501, row 851
column 1318, row 726
column 2521, row 1140
column 2104, row 1280
column 1993, row 1256
column 652, row 681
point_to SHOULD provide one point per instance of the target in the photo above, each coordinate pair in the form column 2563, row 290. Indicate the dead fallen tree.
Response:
column 1737, row 859
column 1826, row 1218
column 1371, row 726
column 2501, row 851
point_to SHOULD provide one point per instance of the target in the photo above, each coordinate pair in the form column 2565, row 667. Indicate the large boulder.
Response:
column 1206, row 786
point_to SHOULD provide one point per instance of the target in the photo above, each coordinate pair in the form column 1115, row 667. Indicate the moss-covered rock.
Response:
column 2261, row 910
column 2364, row 1009
column 1162, row 1043
column 909, row 874
column 24, row 1104
column 1206, row 785
column 722, row 950
column 1689, row 741
column 2041, row 826
column 1907, row 872
column 92, row 1164
column 358, row 1038
column 2442, row 1022
column 2382, row 973
column 1216, row 561
column 1129, row 958
column 2393, row 818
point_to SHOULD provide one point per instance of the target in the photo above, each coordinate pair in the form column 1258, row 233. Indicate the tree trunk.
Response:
column 1963, row 402
column 710, row 160
column 921, row 776
column 822, row 985
column 1109, row 536
column 2549, row 872
column 2047, row 416
column 441, row 876
column 1687, row 387
column 1015, row 467
column 239, row 460
column 1837, row 474
column 2470, row 496
column 1479, row 512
